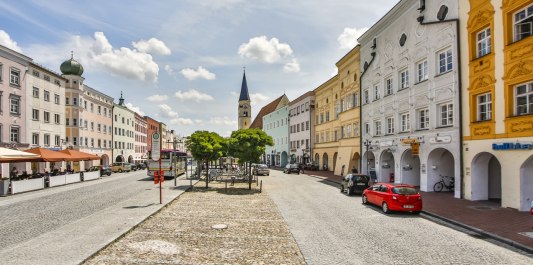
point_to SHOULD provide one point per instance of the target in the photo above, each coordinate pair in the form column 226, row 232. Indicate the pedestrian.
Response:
column 354, row 170
column 14, row 172
column 301, row 168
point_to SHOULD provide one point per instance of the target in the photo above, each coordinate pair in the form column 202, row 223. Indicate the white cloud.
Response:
column 157, row 98
column 348, row 38
column 6, row 40
column 292, row 66
column 169, row 70
column 181, row 121
column 152, row 45
column 269, row 51
column 201, row 72
column 166, row 111
column 193, row 94
column 258, row 98
column 134, row 108
column 222, row 121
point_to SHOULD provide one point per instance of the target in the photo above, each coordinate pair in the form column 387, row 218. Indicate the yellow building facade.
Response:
column 336, row 140
column 497, row 77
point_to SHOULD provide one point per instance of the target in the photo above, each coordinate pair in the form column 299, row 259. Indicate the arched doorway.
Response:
column 317, row 159
column 119, row 158
column 354, row 162
column 368, row 163
column 284, row 159
column 410, row 168
column 104, row 160
column 526, row 184
column 386, row 173
column 486, row 175
column 130, row 159
column 335, row 160
column 440, row 163
column 325, row 161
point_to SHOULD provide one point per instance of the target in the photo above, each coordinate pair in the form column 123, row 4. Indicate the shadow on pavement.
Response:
column 138, row 206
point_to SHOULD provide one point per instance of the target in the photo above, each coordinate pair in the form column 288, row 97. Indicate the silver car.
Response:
column 261, row 169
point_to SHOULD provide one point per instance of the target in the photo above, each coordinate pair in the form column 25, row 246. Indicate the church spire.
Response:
column 121, row 99
column 244, row 88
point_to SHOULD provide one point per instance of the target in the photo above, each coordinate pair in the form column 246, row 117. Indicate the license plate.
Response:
column 360, row 184
column 408, row 206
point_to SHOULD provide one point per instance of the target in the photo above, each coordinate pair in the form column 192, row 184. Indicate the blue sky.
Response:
column 181, row 62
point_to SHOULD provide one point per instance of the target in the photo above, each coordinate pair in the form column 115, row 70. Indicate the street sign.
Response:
column 156, row 146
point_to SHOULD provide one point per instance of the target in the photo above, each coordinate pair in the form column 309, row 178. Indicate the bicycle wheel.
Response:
column 438, row 186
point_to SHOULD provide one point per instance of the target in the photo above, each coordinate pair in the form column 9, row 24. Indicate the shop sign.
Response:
column 408, row 141
column 512, row 146
column 415, row 147
column 440, row 139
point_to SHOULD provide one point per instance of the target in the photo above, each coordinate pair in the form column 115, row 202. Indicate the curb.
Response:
column 427, row 216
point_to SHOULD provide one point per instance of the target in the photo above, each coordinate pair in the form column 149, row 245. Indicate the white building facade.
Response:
column 123, row 133
column 301, row 128
column 410, row 95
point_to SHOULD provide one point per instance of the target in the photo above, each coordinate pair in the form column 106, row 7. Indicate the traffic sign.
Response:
column 156, row 146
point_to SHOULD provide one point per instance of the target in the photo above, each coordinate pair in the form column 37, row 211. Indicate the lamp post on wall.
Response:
column 367, row 143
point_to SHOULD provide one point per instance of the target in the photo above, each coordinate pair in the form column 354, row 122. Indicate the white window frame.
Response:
column 14, row 134
column 528, row 95
column 366, row 97
column 46, row 95
column 445, row 60
column 404, row 78
column 57, row 119
column 445, row 114
column 526, row 14
column 46, row 140
column 35, row 114
column 377, row 128
column 422, row 73
column 14, row 108
column 14, row 76
column 389, row 89
column 405, row 125
column 483, row 39
column 390, row 125
column 484, row 107
column 35, row 92
column 423, row 119
column 35, row 138
column 377, row 95
column 46, row 116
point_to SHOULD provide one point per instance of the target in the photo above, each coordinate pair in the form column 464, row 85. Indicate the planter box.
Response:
column 72, row 178
column 91, row 175
column 57, row 180
column 27, row 185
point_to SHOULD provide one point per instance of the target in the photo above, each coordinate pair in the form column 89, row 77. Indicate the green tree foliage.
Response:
column 205, row 147
column 248, row 145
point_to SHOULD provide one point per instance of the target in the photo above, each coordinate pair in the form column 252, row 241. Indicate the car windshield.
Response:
column 261, row 166
column 404, row 190
column 361, row 178
column 294, row 166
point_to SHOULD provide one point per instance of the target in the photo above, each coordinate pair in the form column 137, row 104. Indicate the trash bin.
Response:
column 4, row 187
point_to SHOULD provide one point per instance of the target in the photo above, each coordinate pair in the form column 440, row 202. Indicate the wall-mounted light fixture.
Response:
column 434, row 167
column 407, row 167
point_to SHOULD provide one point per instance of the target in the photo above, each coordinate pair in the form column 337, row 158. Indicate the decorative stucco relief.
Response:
column 522, row 68
column 521, row 51
column 482, row 82
column 522, row 126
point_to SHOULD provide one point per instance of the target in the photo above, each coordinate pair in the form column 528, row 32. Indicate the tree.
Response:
column 205, row 147
column 248, row 145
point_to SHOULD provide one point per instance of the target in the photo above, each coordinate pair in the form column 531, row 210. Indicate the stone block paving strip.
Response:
column 182, row 232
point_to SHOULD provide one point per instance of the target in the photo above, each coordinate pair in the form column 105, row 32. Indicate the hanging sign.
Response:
column 156, row 146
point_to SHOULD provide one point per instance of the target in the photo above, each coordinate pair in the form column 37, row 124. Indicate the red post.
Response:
column 161, row 176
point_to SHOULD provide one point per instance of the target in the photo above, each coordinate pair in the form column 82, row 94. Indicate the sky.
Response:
column 181, row 62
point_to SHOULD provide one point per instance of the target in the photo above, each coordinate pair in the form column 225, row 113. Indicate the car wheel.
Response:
column 109, row 174
column 342, row 189
column 268, row 174
column 416, row 212
column 120, row 171
column 385, row 207
column 364, row 199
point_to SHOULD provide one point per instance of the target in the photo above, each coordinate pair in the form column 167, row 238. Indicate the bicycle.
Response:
column 442, row 184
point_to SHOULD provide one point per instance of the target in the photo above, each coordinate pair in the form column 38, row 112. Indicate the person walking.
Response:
column 14, row 172
column 354, row 170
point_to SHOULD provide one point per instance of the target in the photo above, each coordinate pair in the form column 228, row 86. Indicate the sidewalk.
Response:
column 486, row 218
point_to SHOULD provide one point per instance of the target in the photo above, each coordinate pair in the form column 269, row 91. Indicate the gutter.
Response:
column 373, row 53
column 420, row 19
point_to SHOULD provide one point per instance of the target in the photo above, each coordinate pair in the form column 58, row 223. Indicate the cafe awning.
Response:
column 48, row 155
column 10, row 155
column 79, row 156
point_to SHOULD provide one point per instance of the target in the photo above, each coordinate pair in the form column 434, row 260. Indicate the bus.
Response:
column 173, row 163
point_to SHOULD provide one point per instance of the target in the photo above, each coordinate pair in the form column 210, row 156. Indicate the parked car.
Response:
column 104, row 170
column 292, row 168
column 393, row 197
column 133, row 166
column 354, row 183
column 311, row 166
column 141, row 166
column 120, row 167
column 261, row 169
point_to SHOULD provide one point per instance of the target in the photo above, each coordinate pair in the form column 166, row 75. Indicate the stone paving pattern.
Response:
column 181, row 233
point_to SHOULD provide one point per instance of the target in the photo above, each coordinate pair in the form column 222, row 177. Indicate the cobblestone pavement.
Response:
column 332, row 228
column 182, row 232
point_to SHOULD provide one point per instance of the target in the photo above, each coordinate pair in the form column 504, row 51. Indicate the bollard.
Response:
column 261, row 187
column 225, row 182
column 256, row 181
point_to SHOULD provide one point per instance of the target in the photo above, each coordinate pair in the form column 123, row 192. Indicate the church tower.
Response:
column 245, row 109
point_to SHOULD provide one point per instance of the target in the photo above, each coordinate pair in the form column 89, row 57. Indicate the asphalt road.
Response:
column 332, row 228
column 65, row 225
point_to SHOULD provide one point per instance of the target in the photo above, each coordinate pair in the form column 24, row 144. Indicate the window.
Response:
column 56, row 99
column 57, row 140
column 483, row 42
column 47, row 117
column 84, row 124
column 445, row 61
column 15, row 134
column 327, row 116
column 67, row 102
column 35, row 92
column 46, row 96
column 365, row 96
column 367, row 128
column 388, row 86
column 92, row 107
column 423, row 119
column 47, row 140
column 47, row 78
column 74, row 101
column 422, row 71
column 376, row 92
column 99, row 110
column 1, row 72
column 390, row 125
column 74, row 122
column 105, row 111
column 92, row 126
column 35, row 139
column 404, row 79
column 74, row 141
column 56, row 118
column 446, row 114
column 35, row 73
column 377, row 128
column 99, row 127
column 523, row 23
column 404, row 120
column 14, row 77
column 14, row 105
column 524, row 99
column 484, row 107
column 67, row 121
column 35, row 114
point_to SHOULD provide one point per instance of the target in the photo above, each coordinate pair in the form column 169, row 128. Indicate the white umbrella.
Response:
column 10, row 155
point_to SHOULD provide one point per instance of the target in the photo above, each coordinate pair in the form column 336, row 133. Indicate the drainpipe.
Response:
column 420, row 20
column 373, row 53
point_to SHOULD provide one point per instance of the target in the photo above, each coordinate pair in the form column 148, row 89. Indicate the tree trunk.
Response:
column 206, row 174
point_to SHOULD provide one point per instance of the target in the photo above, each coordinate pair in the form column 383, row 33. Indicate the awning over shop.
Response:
column 79, row 156
column 48, row 155
column 11, row 155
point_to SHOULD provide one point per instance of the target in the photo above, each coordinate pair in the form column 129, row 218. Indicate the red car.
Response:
column 393, row 197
